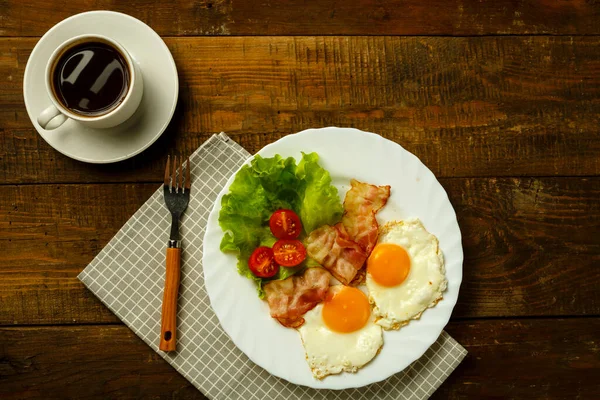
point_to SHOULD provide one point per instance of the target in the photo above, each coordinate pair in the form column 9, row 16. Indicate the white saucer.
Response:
column 161, row 88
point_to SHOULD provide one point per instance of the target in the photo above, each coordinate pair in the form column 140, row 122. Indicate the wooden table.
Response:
column 501, row 99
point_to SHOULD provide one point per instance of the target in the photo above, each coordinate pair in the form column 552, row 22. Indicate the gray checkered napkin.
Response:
column 128, row 277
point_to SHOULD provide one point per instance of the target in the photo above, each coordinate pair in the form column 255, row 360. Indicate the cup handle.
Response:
column 51, row 118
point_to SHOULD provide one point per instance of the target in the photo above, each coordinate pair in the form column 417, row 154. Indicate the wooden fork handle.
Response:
column 168, row 333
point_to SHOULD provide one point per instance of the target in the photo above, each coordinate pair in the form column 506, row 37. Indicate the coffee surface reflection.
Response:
column 91, row 78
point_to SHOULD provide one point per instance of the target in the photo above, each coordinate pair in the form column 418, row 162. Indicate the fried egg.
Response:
column 339, row 334
column 405, row 273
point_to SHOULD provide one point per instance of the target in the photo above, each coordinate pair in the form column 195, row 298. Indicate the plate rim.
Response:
column 216, row 207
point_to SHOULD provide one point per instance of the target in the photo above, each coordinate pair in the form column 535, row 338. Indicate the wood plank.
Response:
column 48, row 234
column 531, row 246
column 526, row 359
column 327, row 17
column 85, row 362
column 533, row 359
column 484, row 106
column 521, row 238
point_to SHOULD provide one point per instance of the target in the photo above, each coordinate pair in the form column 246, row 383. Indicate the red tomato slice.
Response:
column 262, row 264
column 285, row 224
column 289, row 253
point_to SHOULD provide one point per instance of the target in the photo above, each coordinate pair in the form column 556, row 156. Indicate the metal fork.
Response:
column 177, row 197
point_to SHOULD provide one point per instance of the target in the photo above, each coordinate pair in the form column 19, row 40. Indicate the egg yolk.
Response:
column 388, row 264
column 346, row 311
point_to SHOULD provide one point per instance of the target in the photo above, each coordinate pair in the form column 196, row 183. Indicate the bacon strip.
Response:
column 361, row 204
column 331, row 247
column 290, row 298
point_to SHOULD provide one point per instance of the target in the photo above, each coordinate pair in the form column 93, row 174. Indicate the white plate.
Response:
column 345, row 153
column 161, row 88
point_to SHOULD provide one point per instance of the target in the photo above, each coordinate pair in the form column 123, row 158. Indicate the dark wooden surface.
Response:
column 110, row 361
column 325, row 17
column 500, row 99
column 478, row 106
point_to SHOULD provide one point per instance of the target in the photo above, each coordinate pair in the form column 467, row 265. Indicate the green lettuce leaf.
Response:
column 320, row 204
column 261, row 188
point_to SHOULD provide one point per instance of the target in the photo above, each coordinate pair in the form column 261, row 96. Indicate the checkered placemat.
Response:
column 128, row 277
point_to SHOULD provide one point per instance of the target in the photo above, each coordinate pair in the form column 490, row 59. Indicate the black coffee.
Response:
column 91, row 78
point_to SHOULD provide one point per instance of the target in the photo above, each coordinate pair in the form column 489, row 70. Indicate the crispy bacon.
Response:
column 360, row 206
column 331, row 247
column 360, row 278
column 290, row 298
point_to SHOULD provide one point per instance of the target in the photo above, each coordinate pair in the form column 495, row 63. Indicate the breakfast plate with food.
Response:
column 333, row 258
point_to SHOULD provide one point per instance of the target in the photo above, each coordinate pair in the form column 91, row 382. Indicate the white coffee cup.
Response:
column 57, row 114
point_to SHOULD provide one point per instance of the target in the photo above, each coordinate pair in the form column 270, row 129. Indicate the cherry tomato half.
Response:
column 285, row 224
column 262, row 264
column 289, row 253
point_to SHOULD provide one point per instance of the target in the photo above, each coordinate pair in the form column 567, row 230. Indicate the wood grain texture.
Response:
column 547, row 359
column 168, row 324
column 95, row 361
column 532, row 247
column 491, row 106
column 526, row 359
column 48, row 234
column 326, row 17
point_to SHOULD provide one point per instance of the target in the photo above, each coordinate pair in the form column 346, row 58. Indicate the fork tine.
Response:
column 188, row 181
column 167, row 172
column 174, row 176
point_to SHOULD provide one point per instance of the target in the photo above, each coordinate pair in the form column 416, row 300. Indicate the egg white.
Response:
column 329, row 352
column 423, row 288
